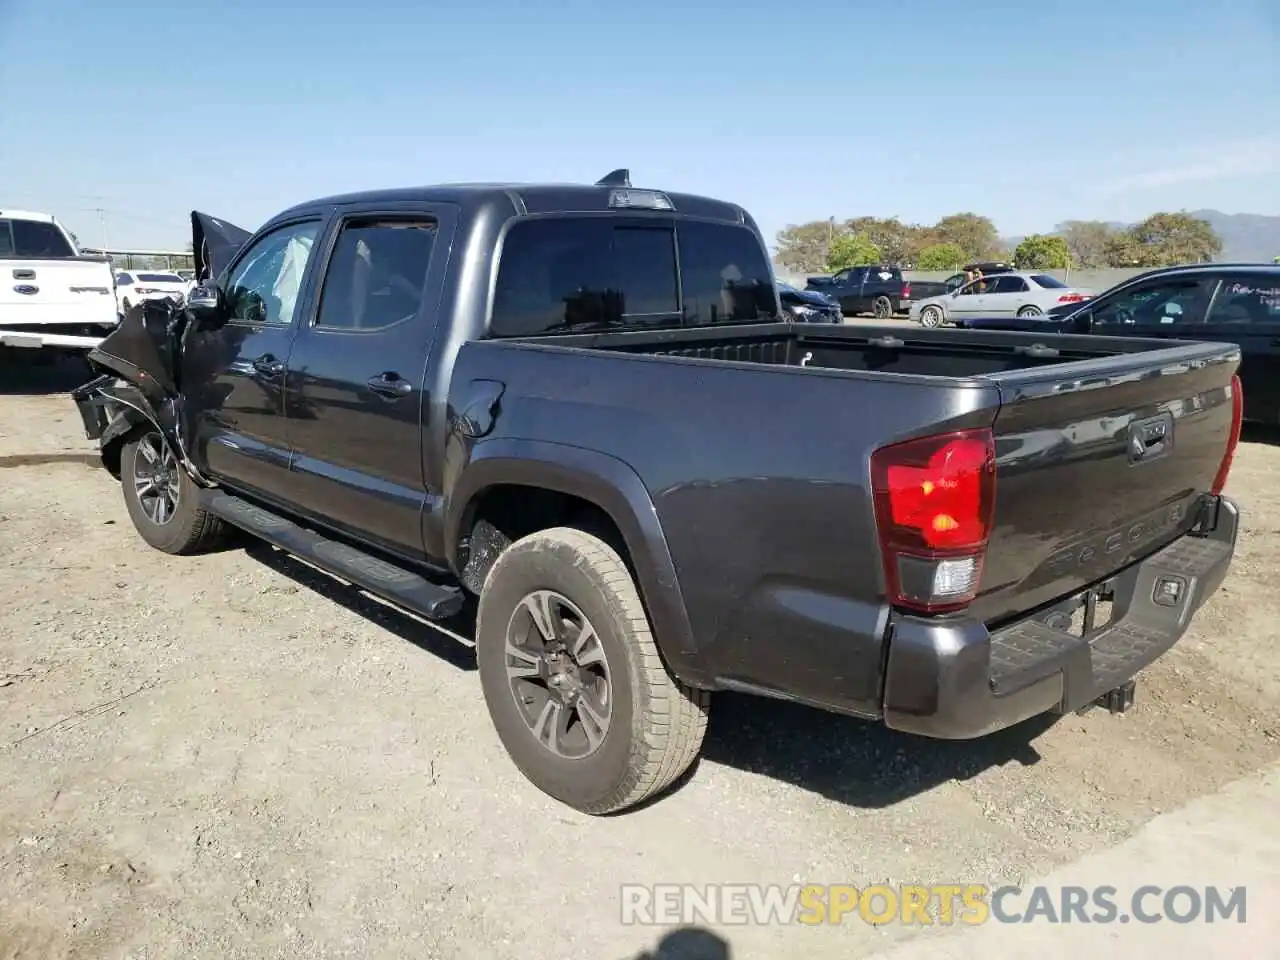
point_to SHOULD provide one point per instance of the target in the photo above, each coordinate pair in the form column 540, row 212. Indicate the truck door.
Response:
column 355, row 381
column 233, row 373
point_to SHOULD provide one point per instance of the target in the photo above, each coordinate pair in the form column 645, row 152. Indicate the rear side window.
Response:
column 1006, row 284
column 1251, row 301
column 566, row 273
column 33, row 239
column 123, row 279
column 1048, row 282
column 376, row 274
column 725, row 275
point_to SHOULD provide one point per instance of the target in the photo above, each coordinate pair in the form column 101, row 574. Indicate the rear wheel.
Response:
column 931, row 317
column 1030, row 310
column 882, row 308
column 162, row 500
column 580, row 697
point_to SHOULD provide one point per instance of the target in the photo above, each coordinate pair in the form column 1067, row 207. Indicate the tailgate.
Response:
column 57, row 291
column 1098, row 464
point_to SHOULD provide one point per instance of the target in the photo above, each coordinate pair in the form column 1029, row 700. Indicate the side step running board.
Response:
column 427, row 599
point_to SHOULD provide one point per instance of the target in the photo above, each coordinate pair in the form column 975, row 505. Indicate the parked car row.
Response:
column 1221, row 302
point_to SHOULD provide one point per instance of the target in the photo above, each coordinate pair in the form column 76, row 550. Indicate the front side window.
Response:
column 266, row 282
column 1247, row 300
column 725, row 275
column 1155, row 304
column 376, row 274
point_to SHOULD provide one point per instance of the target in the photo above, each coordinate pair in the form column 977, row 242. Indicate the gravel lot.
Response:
column 232, row 756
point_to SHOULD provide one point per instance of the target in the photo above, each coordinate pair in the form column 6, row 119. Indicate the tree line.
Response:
column 1163, row 239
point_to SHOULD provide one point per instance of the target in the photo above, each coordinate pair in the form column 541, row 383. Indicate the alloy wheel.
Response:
column 559, row 675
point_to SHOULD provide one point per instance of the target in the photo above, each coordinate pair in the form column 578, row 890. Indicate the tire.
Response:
column 184, row 527
column 931, row 317
column 882, row 308
column 1031, row 310
column 655, row 724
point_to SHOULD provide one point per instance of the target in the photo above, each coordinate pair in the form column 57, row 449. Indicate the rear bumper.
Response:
column 955, row 680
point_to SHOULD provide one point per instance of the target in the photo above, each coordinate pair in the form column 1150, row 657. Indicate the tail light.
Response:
column 1071, row 298
column 1233, row 439
column 906, row 290
column 145, row 290
column 934, row 499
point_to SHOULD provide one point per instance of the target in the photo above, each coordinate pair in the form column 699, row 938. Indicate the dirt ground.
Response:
column 232, row 756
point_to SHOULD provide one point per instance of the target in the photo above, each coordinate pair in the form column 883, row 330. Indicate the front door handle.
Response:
column 268, row 365
column 390, row 385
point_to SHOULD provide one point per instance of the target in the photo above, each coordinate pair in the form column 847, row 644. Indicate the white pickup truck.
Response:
column 52, row 298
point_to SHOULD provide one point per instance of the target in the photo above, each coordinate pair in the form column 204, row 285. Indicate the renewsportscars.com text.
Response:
column 926, row 905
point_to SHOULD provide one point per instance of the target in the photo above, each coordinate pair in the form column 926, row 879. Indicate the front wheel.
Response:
column 162, row 500
column 572, row 678
column 1031, row 310
column 931, row 317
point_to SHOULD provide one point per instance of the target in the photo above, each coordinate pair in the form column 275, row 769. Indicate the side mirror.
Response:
column 207, row 304
column 1082, row 322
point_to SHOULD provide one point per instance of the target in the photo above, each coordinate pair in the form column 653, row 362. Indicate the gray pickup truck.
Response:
column 577, row 410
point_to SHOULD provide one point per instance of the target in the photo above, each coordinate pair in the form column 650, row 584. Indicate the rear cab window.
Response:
column 575, row 274
column 33, row 240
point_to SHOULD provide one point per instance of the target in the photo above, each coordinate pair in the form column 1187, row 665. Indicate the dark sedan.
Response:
column 809, row 306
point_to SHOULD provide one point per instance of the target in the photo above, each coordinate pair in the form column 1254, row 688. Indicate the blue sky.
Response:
column 801, row 110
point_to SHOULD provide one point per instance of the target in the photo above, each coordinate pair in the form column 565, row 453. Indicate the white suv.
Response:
column 134, row 286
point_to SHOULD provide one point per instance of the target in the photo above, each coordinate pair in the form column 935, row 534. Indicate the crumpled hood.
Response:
column 214, row 243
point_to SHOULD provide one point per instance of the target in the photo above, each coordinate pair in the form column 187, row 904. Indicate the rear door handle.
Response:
column 390, row 385
column 268, row 366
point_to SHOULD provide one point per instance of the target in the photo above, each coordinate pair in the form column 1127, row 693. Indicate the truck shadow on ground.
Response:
column 24, row 378
column 1265, row 433
column 450, row 640
column 855, row 762
column 688, row 943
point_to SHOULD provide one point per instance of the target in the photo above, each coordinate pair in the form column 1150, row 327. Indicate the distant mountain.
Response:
column 1245, row 236
column 1248, row 237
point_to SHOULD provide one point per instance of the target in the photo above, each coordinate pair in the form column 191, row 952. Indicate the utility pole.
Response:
column 102, row 223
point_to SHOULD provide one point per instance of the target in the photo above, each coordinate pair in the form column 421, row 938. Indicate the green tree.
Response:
column 1039, row 252
column 894, row 238
column 804, row 247
column 941, row 256
column 1163, row 240
column 1173, row 238
column 1087, row 240
column 974, row 234
column 1123, row 250
column 852, row 250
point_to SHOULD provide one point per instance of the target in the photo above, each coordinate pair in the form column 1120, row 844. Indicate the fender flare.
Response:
column 614, row 487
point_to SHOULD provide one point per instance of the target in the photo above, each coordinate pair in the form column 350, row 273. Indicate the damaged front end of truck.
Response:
column 139, row 365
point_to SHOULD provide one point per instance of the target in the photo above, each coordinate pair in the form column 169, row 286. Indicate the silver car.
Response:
column 1020, row 294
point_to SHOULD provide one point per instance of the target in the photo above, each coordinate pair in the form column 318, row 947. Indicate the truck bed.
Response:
column 884, row 349
column 754, row 444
